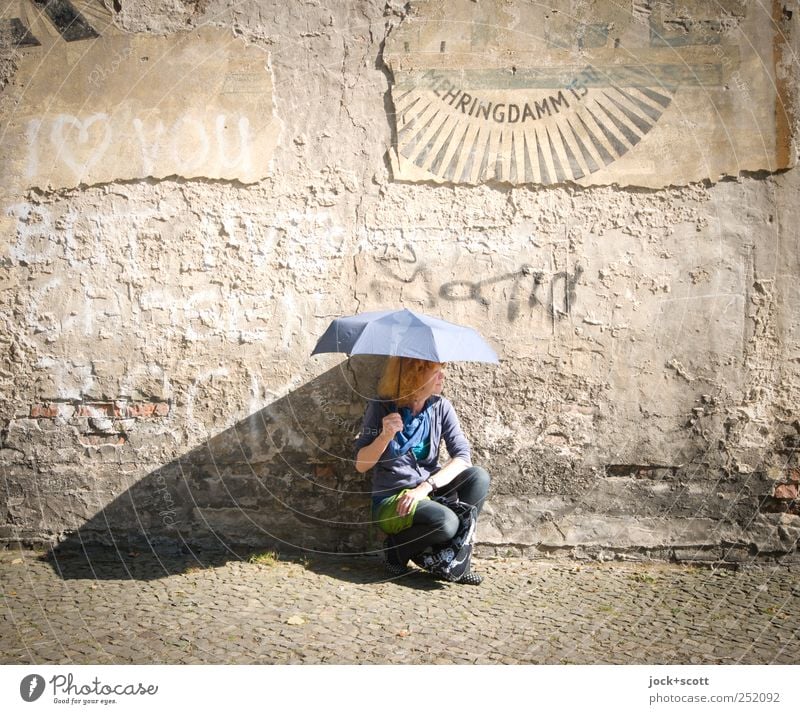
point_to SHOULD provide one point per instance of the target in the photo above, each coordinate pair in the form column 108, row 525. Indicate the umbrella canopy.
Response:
column 403, row 333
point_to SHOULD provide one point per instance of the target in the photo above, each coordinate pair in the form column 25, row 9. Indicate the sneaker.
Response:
column 470, row 579
column 391, row 564
column 395, row 570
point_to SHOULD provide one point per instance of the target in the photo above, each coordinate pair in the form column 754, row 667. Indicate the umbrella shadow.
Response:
column 281, row 479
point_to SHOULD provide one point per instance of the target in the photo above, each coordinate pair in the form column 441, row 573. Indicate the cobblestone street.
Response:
column 137, row 608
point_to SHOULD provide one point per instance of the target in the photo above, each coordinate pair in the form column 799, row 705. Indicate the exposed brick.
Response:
column 96, row 409
column 118, row 409
column 793, row 475
column 44, row 411
column 140, row 409
column 787, row 490
column 162, row 409
column 50, row 410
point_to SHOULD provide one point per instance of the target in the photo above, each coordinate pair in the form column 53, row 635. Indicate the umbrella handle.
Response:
column 399, row 372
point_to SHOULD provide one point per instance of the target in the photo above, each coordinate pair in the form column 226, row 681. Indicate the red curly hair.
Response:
column 412, row 377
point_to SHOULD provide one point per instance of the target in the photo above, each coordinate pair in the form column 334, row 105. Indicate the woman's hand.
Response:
column 392, row 423
column 368, row 456
column 409, row 498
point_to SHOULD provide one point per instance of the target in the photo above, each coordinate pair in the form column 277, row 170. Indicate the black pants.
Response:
column 434, row 523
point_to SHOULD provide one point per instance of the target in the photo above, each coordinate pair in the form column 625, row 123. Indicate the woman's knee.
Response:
column 438, row 518
column 480, row 477
column 449, row 526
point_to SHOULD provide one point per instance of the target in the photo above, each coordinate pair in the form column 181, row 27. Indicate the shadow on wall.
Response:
column 281, row 479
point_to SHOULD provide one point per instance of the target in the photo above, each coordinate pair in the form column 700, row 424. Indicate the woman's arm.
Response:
column 446, row 474
column 457, row 446
column 441, row 478
column 368, row 455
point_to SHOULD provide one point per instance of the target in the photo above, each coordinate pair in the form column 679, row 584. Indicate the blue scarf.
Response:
column 415, row 430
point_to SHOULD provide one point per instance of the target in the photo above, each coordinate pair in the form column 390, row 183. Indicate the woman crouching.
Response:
column 399, row 441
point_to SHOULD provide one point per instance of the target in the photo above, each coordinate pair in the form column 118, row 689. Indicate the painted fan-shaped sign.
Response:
column 562, row 135
column 524, row 93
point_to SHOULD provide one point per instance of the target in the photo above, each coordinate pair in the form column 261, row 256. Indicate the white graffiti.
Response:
column 100, row 237
column 35, row 235
column 187, row 146
column 75, row 149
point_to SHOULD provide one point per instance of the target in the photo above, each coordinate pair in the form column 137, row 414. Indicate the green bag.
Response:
column 385, row 514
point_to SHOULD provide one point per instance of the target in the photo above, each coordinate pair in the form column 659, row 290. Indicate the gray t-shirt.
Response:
column 392, row 475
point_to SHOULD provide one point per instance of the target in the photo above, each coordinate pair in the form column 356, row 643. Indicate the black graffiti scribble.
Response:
column 559, row 300
column 467, row 290
column 561, row 294
column 420, row 271
column 568, row 283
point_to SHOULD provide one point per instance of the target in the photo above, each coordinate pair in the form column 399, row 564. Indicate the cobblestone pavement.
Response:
column 115, row 608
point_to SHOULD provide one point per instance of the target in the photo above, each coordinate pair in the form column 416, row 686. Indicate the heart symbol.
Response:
column 66, row 149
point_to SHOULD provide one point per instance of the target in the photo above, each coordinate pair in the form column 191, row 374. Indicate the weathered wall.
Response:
column 159, row 312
